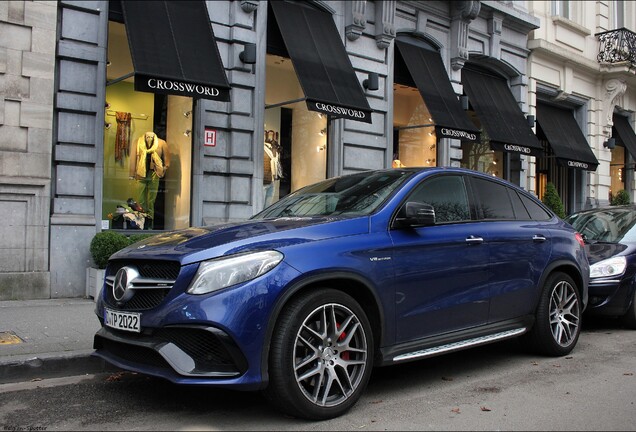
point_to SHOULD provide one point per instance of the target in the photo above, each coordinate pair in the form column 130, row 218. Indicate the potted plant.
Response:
column 621, row 198
column 103, row 245
column 552, row 199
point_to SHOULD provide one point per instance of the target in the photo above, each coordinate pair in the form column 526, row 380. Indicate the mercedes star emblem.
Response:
column 123, row 285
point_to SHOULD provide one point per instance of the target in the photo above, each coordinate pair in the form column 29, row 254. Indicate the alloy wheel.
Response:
column 564, row 313
column 330, row 355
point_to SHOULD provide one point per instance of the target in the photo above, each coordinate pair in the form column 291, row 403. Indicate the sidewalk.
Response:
column 48, row 338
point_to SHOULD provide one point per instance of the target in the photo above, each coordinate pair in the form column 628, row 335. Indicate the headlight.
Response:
column 224, row 272
column 614, row 266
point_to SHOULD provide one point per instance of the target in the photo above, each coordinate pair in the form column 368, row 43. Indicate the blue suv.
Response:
column 364, row 270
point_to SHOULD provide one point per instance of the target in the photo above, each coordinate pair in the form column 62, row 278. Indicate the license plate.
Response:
column 128, row 321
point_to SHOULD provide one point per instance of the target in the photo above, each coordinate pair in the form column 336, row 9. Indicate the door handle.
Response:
column 538, row 238
column 474, row 240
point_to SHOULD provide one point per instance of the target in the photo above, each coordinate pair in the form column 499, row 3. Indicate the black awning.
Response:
column 625, row 134
column 321, row 62
column 174, row 50
column 499, row 113
column 430, row 78
column 566, row 138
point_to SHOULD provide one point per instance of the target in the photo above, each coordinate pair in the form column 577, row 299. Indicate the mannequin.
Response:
column 273, row 169
column 149, row 160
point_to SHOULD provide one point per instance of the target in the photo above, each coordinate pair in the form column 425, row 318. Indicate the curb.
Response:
column 27, row 368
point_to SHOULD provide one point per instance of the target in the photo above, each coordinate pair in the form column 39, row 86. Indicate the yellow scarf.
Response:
column 142, row 151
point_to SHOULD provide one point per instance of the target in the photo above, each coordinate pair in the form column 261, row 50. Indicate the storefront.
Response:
column 425, row 106
column 506, row 133
column 310, row 82
column 623, row 146
column 152, row 83
column 568, row 155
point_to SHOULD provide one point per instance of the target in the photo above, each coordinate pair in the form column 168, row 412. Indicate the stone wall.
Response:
column 27, row 54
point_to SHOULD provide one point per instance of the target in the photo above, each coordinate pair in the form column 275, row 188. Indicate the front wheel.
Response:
column 558, row 317
column 321, row 356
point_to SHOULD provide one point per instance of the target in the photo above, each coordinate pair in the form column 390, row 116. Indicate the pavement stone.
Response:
column 55, row 339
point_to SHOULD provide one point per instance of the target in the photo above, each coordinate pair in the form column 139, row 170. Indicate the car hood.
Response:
column 601, row 251
column 197, row 244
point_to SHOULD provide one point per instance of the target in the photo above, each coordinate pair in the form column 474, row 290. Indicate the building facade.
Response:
column 152, row 116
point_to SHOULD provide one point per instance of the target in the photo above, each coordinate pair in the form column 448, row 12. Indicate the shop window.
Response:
column 617, row 171
column 414, row 136
column 147, row 149
column 480, row 156
column 295, row 147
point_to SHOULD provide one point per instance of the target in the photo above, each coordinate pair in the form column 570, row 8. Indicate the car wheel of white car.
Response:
column 558, row 317
column 321, row 355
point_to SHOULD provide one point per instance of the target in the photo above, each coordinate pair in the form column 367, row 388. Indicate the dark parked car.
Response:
column 610, row 234
column 364, row 270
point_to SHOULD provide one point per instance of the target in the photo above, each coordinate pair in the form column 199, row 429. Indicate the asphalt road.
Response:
column 498, row 387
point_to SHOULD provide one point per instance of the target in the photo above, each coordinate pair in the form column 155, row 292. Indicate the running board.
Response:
column 455, row 346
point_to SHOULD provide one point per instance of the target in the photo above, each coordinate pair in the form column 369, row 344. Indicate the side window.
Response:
column 536, row 211
column 517, row 205
column 447, row 194
column 494, row 199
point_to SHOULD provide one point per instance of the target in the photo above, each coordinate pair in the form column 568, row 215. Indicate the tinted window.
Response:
column 536, row 211
column 520, row 211
column 447, row 195
column 494, row 199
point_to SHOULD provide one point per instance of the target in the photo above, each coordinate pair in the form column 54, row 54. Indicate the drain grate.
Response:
column 9, row 338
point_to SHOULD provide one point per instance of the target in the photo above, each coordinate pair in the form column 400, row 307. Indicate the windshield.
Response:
column 610, row 226
column 355, row 194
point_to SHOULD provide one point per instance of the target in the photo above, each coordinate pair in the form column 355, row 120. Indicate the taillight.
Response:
column 579, row 238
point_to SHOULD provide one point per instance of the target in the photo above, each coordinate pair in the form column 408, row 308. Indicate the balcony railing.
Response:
column 617, row 46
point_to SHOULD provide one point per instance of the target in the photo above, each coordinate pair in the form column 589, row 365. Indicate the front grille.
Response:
column 148, row 269
column 154, row 283
column 142, row 300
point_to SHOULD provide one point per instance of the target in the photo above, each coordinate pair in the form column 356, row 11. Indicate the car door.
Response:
column 520, row 247
column 441, row 271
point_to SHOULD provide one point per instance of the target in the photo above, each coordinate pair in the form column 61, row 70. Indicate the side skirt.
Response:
column 455, row 341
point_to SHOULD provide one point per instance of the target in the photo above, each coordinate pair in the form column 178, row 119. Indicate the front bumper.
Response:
column 214, row 339
column 610, row 296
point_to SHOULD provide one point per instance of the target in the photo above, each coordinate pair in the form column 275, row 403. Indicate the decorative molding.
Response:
column 249, row 6
column 385, row 23
column 614, row 89
column 462, row 13
column 355, row 13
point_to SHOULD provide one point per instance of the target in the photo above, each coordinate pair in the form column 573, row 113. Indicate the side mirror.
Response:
column 415, row 214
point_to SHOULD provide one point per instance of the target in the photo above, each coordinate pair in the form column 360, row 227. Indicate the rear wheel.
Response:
column 558, row 317
column 321, row 356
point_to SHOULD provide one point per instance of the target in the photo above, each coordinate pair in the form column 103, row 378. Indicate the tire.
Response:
column 321, row 356
column 629, row 319
column 558, row 317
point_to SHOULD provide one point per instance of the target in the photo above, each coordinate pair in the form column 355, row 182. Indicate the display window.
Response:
column 617, row 171
column 147, row 166
column 414, row 138
column 295, row 147
column 480, row 156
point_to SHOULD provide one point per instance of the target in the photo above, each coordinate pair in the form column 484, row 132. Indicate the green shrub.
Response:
column 106, row 243
column 553, row 201
column 621, row 198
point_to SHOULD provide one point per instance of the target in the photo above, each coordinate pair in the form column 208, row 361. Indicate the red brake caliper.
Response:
column 343, row 355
